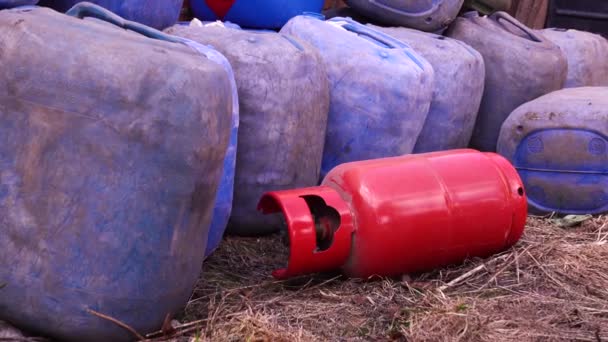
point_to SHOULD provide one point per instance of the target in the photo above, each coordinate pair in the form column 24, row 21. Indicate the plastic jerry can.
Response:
column 109, row 168
column 558, row 145
column 406, row 214
column 284, row 103
column 225, row 192
column 425, row 15
column 459, row 82
column 380, row 89
column 521, row 65
column 269, row 14
column 587, row 55
column 155, row 13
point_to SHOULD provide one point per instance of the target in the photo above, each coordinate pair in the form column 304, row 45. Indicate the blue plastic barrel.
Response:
column 254, row 14
column 155, row 13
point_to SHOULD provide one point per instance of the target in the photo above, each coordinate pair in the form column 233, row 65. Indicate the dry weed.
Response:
column 552, row 286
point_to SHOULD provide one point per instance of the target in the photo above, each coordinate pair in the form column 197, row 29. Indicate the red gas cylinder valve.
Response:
column 400, row 215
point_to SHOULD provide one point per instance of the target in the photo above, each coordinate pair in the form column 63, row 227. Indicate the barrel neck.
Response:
column 320, row 226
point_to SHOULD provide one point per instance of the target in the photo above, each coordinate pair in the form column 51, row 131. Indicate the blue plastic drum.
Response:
column 254, row 14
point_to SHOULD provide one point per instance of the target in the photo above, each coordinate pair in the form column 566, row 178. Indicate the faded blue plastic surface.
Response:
column 521, row 65
column 559, row 145
column 271, row 14
column 223, row 202
column 16, row 3
column 154, row 13
column 105, row 200
column 380, row 89
column 284, row 100
column 577, row 185
column 586, row 55
column 459, row 83
column 225, row 191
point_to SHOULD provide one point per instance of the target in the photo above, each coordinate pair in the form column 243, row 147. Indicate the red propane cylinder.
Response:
column 400, row 215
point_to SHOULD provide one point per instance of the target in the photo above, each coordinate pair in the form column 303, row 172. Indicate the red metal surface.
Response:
column 220, row 7
column 305, row 257
column 406, row 214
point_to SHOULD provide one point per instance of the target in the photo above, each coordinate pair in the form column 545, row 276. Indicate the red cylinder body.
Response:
column 401, row 215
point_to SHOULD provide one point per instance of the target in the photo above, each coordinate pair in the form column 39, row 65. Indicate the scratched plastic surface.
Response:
column 521, row 65
column 225, row 192
column 586, row 53
column 284, row 100
column 558, row 143
column 155, row 13
column 380, row 89
column 254, row 14
column 459, row 82
column 109, row 168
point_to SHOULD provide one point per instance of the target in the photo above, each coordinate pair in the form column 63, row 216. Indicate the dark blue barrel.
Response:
column 110, row 159
column 155, row 13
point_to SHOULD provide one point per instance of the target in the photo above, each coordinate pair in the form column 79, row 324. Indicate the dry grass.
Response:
column 552, row 286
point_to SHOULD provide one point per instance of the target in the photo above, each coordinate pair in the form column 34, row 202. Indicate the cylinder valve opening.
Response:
column 326, row 219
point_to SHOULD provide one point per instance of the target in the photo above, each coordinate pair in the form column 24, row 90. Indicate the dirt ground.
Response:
column 553, row 285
